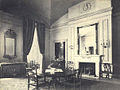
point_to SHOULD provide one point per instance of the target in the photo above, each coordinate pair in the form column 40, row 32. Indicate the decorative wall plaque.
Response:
column 87, row 6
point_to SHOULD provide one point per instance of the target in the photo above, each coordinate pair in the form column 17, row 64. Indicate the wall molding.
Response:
column 16, row 24
column 81, row 17
column 9, row 18
column 91, row 14
column 58, row 27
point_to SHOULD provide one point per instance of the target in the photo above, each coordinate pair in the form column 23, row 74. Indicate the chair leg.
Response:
column 37, row 84
column 28, row 83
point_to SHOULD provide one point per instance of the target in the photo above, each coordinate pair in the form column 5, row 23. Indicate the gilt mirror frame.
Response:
column 9, row 44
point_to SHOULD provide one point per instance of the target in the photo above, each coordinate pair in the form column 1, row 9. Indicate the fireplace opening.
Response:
column 87, row 68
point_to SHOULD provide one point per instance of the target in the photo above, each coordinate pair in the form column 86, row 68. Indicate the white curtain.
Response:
column 35, row 54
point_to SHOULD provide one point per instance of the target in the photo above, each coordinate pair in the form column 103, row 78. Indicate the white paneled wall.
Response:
column 83, row 14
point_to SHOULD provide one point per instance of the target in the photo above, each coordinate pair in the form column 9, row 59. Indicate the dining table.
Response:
column 54, row 74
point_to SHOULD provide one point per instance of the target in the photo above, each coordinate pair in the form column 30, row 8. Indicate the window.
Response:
column 87, row 40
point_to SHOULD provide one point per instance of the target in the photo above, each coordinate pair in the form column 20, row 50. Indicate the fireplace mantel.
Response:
column 89, row 59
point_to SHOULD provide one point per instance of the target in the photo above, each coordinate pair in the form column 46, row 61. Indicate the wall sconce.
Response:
column 71, row 46
column 106, row 44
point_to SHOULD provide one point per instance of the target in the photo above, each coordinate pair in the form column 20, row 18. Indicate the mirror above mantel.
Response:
column 9, row 44
column 87, row 40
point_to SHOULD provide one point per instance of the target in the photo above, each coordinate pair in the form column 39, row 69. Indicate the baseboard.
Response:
column 116, row 76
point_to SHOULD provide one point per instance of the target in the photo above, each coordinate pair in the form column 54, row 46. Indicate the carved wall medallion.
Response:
column 87, row 6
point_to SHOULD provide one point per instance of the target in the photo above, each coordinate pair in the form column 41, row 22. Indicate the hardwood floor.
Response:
column 21, row 84
column 13, row 84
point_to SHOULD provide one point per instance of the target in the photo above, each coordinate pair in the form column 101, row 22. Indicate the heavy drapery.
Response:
column 28, row 32
column 41, row 41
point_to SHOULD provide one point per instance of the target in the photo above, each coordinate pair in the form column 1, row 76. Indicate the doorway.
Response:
column 60, row 50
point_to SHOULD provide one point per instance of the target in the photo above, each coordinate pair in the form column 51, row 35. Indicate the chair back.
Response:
column 33, row 76
column 70, row 66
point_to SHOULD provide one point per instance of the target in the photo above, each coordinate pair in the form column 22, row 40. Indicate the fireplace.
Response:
column 90, row 65
column 87, row 68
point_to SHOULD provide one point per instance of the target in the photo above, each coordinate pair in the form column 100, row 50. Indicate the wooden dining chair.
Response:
column 32, row 77
column 36, row 80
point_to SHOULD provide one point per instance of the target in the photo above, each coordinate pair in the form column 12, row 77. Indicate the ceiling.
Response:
column 60, row 7
column 49, row 10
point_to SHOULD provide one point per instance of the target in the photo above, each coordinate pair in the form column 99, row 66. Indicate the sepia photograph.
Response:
column 59, row 45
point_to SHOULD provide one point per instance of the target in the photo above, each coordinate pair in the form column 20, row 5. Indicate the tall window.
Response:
column 35, row 54
column 87, row 40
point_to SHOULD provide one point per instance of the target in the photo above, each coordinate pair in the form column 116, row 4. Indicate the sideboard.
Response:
column 12, row 69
